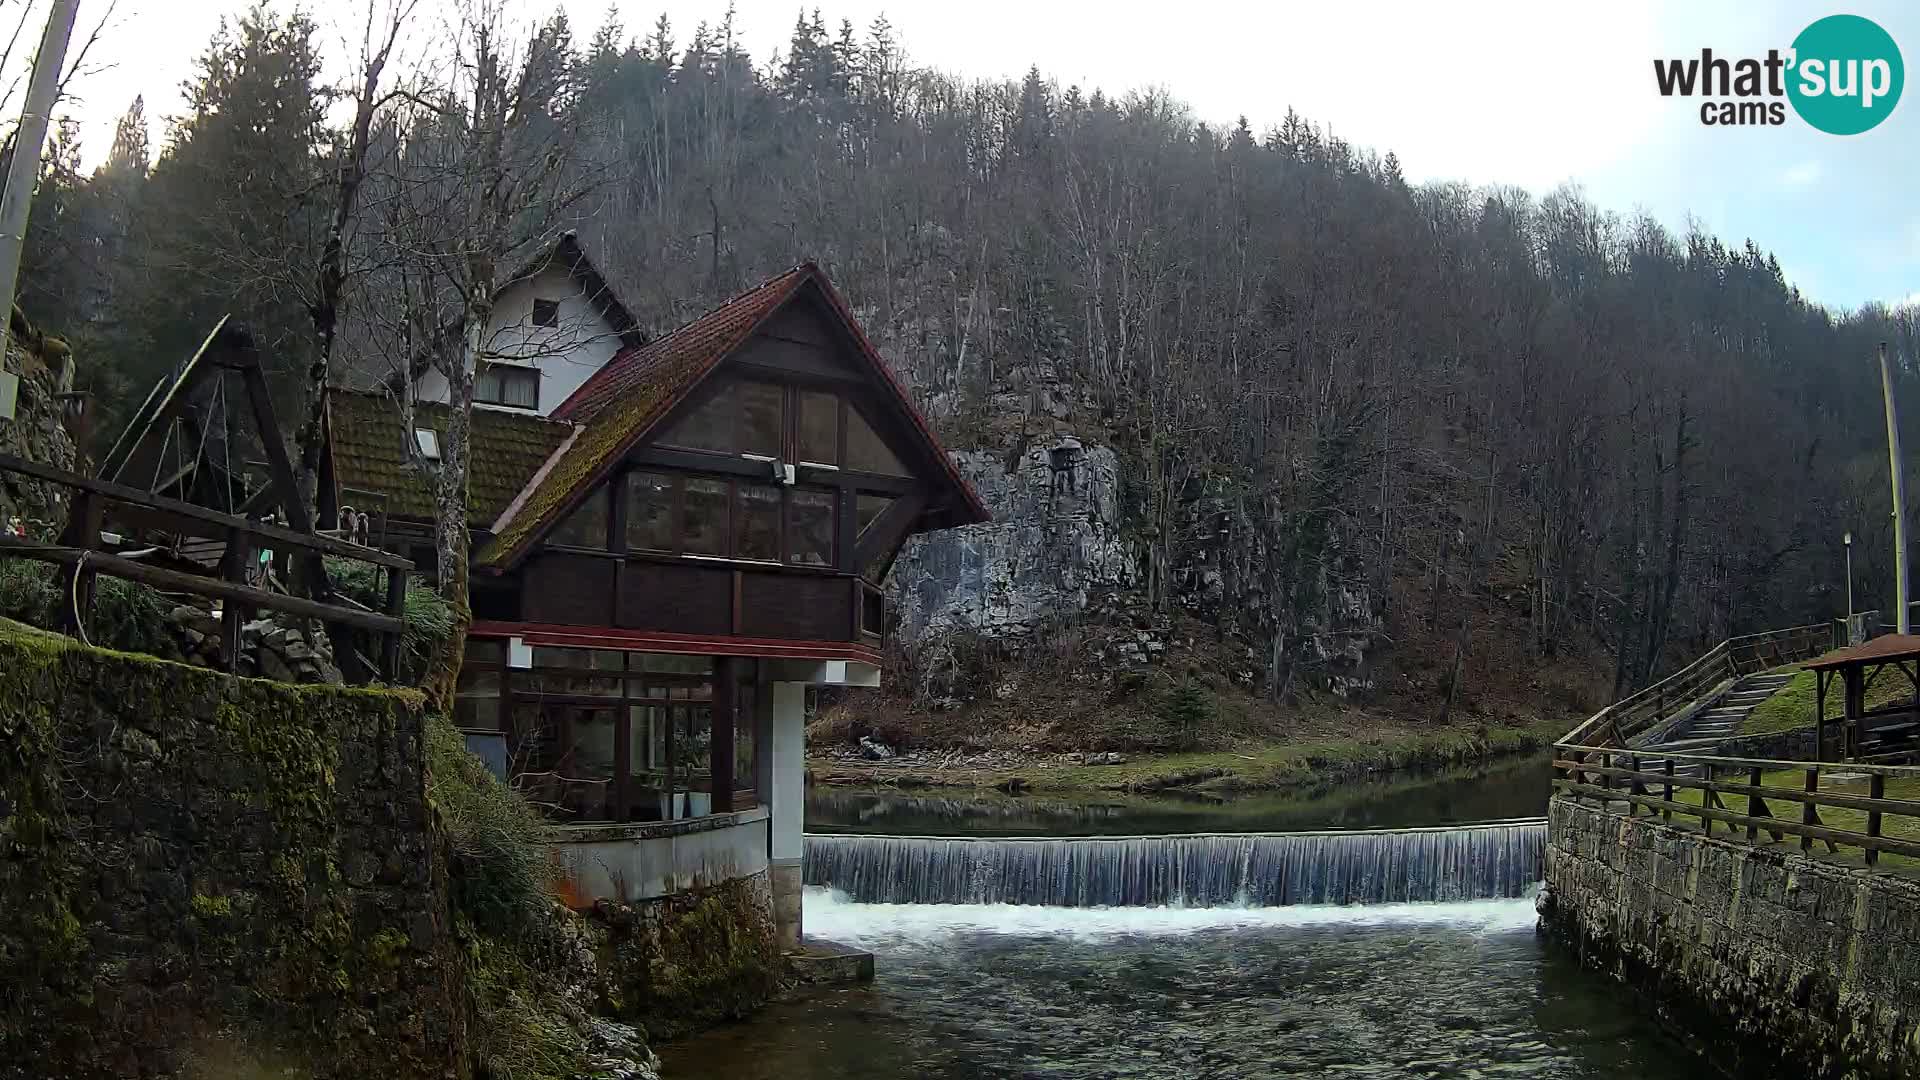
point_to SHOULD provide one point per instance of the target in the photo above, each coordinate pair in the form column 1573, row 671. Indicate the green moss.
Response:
column 697, row 959
column 1791, row 707
column 212, row 907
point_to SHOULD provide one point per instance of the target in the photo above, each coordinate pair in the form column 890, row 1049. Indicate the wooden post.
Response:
column 1754, row 804
column 1634, row 786
column 233, row 568
column 1820, row 716
column 84, row 517
column 725, row 696
column 1706, row 799
column 1876, row 789
column 390, row 642
column 1809, row 814
column 1666, row 812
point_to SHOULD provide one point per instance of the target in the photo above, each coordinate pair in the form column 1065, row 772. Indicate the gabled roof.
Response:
column 622, row 401
column 567, row 252
column 367, row 441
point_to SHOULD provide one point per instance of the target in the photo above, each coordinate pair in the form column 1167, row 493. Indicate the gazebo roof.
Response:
column 1885, row 649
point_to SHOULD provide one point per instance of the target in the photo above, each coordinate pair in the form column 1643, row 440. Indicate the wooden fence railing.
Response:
column 1670, row 698
column 1840, row 805
column 82, row 547
column 1858, row 812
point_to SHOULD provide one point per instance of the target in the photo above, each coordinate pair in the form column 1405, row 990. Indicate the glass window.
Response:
column 759, row 523
column 587, row 526
column 502, row 384
column 544, row 656
column 590, row 757
column 866, row 452
column 673, row 663
column 649, row 512
column 546, row 312
column 693, row 758
column 819, row 427
column 704, row 518
column 743, row 725
column 649, row 735
column 761, row 412
column 740, row 418
column 486, row 650
column 867, row 510
column 813, row 518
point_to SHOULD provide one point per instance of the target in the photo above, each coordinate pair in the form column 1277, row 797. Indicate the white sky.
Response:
column 1529, row 94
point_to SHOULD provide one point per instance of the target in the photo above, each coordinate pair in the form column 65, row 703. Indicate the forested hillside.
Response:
column 1323, row 387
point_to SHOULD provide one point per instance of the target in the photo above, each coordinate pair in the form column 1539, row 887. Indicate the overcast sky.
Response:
column 1529, row 94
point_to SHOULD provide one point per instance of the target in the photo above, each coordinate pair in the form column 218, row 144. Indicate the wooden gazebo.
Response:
column 1868, row 734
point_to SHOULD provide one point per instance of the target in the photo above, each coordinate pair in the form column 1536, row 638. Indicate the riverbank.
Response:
column 1254, row 767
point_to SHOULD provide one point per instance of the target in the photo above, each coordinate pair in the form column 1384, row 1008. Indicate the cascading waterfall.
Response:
column 1472, row 862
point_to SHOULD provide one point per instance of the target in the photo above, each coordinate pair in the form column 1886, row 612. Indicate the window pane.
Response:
column 591, row 756
column 743, row 740
column 521, row 388
column 546, row 313
column 649, row 512
column 486, row 650
column 704, row 525
column 866, row 452
column 710, row 427
column 867, row 509
column 477, row 713
column 673, row 663
column 478, row 683
column 649, row 738
column 587, row 526
column 759, row 523
column 544, row 656
column 813, row 518
column 741, row 418
column 760, row 417
column 819, row 427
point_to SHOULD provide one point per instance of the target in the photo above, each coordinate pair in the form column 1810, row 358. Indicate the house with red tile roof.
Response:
column 665, row 561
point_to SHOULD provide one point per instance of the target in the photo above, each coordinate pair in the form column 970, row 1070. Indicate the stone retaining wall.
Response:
column 1770, row 962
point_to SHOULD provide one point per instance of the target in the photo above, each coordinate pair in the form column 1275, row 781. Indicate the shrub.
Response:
column 429, row 622
column 1186, row 709
column 502, row 877
column 125, row 616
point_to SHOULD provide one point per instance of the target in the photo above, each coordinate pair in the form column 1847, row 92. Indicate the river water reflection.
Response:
column 969, row 992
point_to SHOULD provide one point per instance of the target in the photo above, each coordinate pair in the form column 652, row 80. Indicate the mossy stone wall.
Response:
column 198, row 869
column 693, row 959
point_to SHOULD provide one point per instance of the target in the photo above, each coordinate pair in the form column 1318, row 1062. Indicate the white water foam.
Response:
column 830, row 914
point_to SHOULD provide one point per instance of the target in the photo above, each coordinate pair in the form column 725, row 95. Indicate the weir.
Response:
column 1471, row 862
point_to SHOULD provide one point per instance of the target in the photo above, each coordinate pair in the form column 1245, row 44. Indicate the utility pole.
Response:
column 28, row 140
column 1901, row 621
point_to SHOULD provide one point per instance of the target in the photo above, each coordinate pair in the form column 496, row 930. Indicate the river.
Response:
column 978, row 990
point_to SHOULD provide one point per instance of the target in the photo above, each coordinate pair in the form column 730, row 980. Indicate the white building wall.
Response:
column 565, row 354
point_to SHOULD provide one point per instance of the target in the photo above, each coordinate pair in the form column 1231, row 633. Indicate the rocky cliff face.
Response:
column 1054, row 546
column 1058, row 556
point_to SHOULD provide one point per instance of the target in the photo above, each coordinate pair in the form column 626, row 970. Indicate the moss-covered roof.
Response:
column 623, row 400
column 368, row 447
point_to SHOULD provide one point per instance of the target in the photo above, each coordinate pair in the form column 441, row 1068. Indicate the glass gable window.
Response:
column 587, row 526
column 866, row 451
column 740, row 418
column 649, row 512
column 819, row 427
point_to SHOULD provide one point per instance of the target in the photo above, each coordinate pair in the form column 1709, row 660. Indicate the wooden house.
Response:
column 664, row 562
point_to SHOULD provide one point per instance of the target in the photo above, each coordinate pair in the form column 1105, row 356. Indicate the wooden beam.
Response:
column 161, row 406
column 1835, row 836
column 890, row 529
column 161, row 578
column 261, row 530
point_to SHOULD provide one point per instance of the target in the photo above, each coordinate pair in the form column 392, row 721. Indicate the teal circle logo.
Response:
column 1847, row 75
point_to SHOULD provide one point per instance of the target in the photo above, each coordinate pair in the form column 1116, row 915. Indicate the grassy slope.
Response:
column 1792, row 706
column 1892, row 825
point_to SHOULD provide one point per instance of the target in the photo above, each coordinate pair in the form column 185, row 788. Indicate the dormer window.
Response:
column 428, row 440
column 546, row 313
column 504, row 384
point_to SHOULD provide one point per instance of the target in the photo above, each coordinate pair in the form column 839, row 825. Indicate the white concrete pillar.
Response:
column 787, row 803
